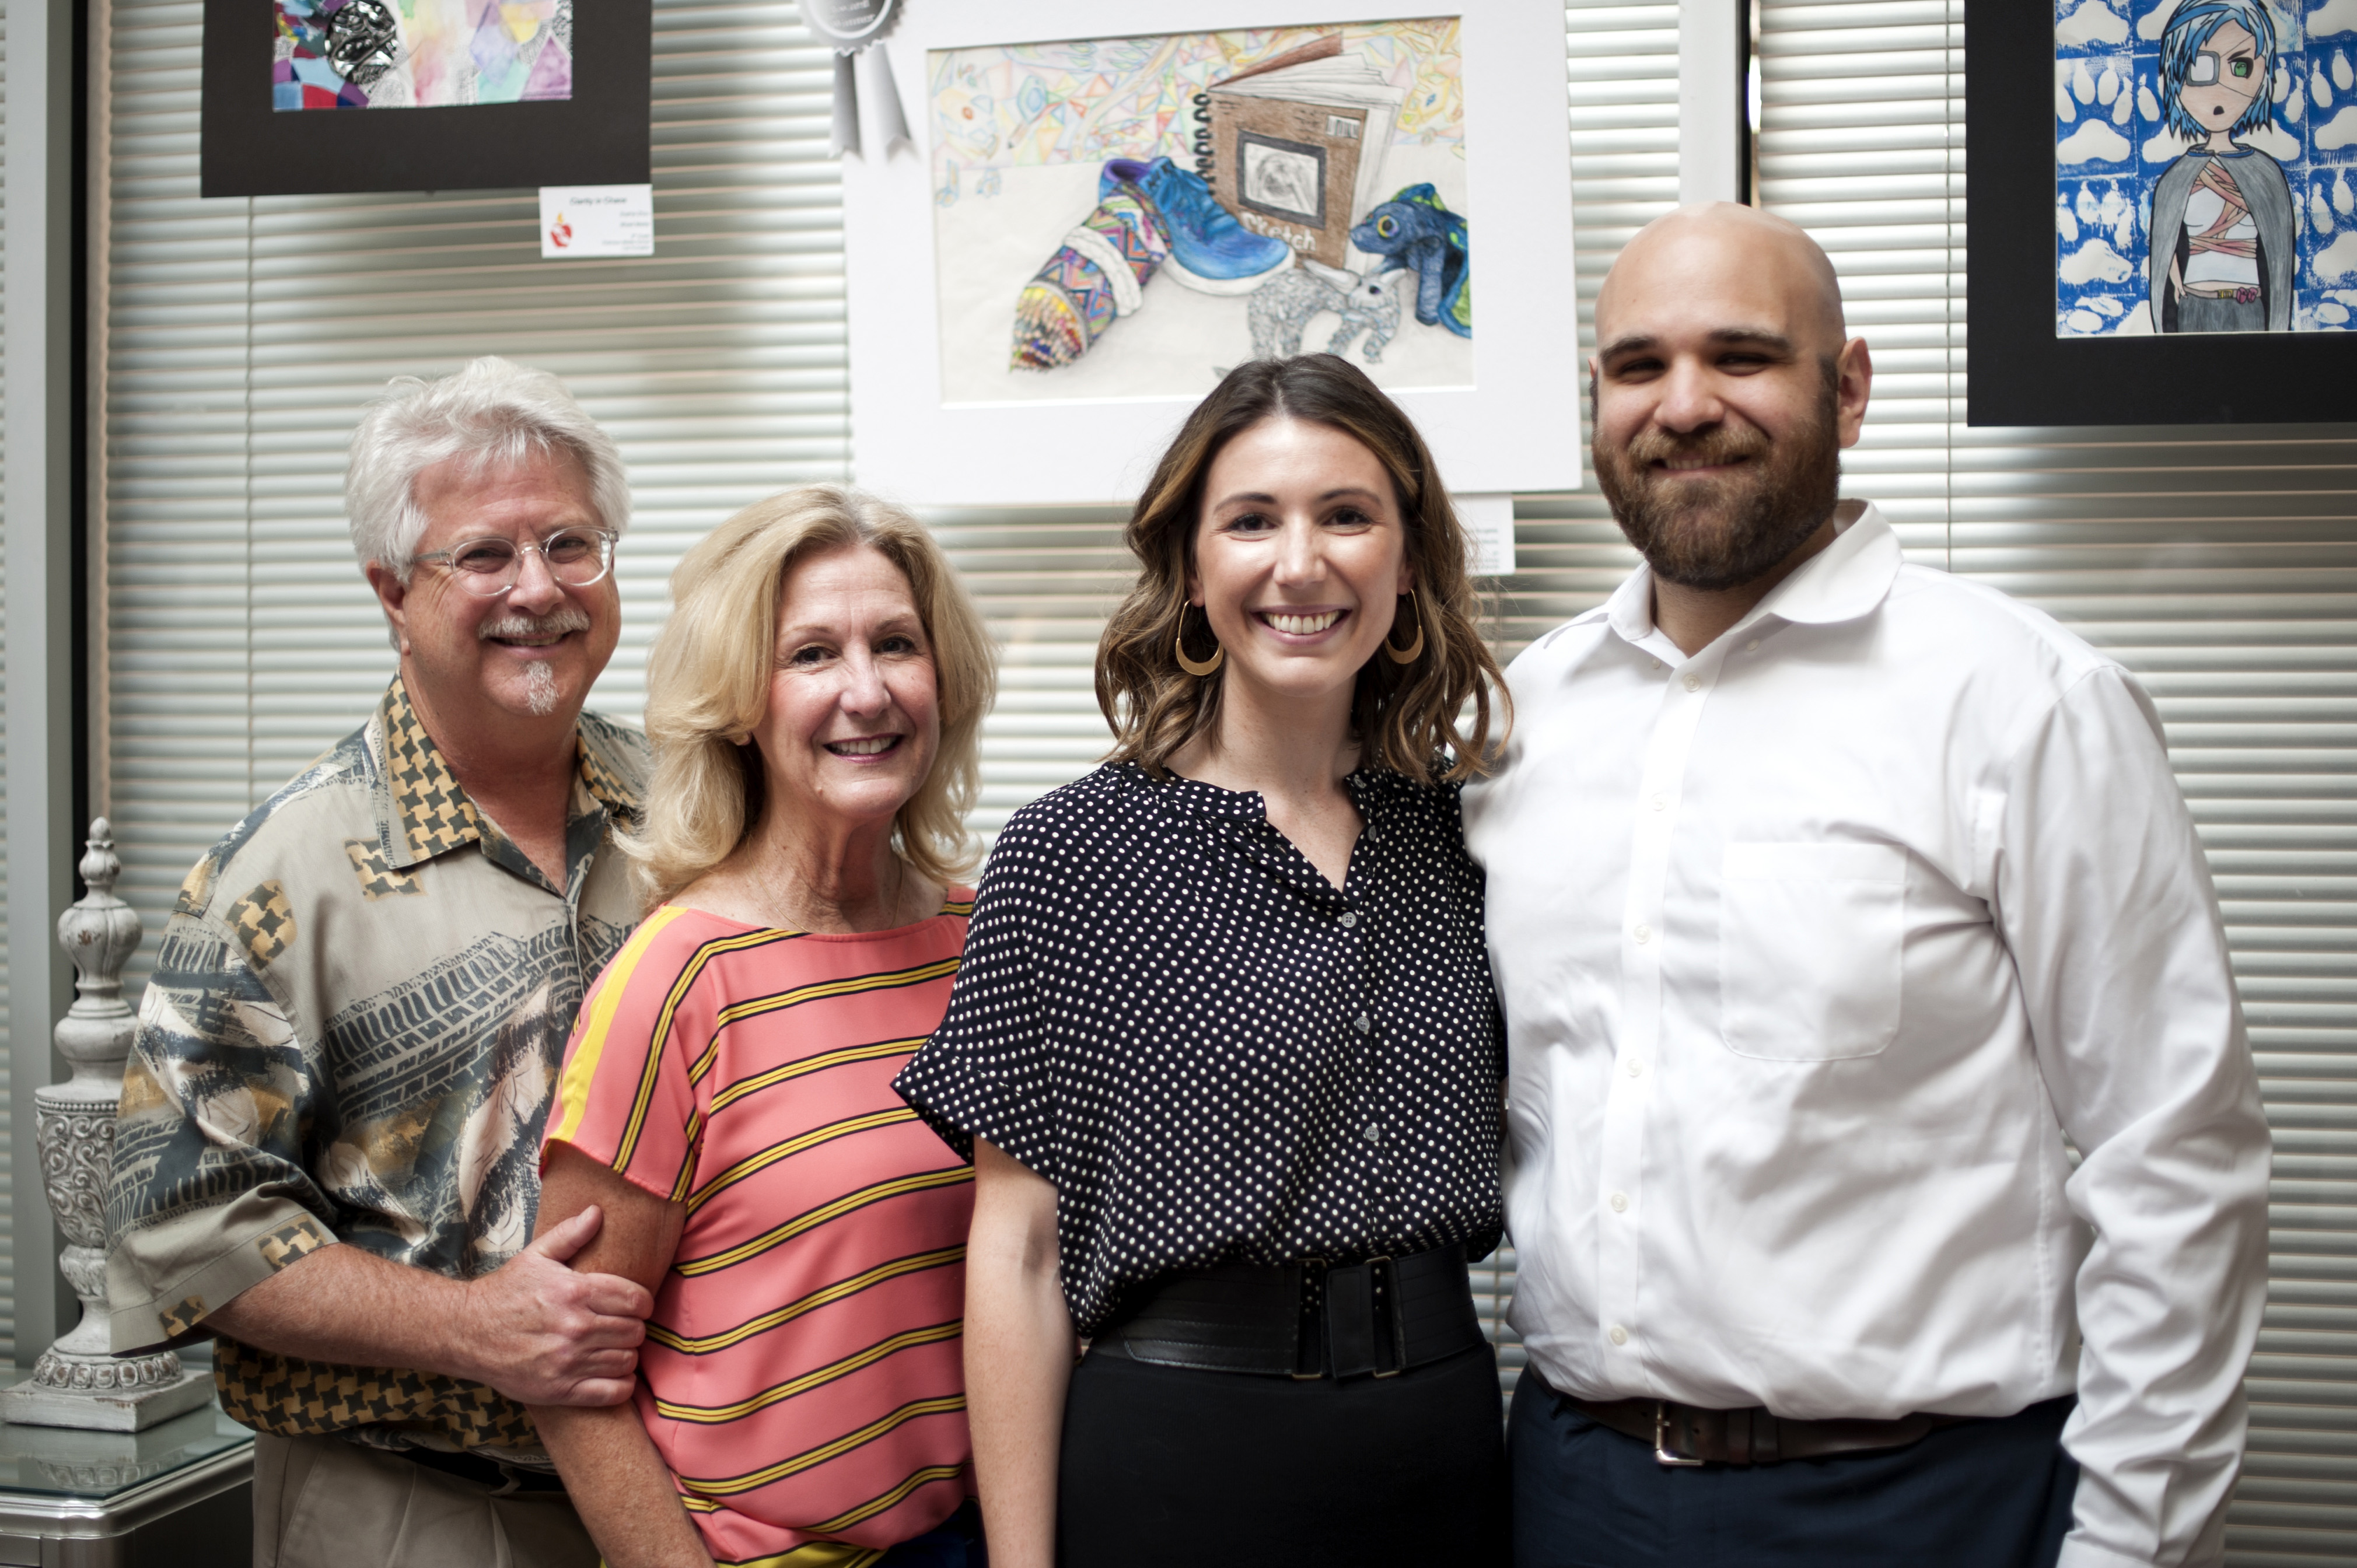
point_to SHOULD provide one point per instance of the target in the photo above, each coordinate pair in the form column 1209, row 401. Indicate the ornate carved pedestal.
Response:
column 75, row 1383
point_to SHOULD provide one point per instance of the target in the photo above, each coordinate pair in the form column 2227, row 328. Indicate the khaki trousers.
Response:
column 322, row 1502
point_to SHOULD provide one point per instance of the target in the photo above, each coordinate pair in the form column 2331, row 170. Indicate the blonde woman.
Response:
column 1225, row 1045
column 813, row 702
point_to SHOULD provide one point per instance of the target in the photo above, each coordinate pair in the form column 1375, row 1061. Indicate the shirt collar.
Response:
column 606, row 772
column 1372, row 789
column 1846, row 579
column 1194, row 798
column 422, row 812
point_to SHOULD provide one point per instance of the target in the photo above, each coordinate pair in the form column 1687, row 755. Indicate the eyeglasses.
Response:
column 575, row 557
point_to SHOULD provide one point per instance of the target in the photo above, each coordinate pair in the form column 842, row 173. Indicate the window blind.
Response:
column 2216, row 562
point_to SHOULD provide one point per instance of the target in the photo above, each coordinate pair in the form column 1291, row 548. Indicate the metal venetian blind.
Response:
column 2219, row 564
column 247, row 335
column 1621, row 81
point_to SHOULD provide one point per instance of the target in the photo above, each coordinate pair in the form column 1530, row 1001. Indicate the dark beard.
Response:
column 1733, row 531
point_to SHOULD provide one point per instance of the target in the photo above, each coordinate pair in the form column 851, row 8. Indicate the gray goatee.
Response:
column 539, row 679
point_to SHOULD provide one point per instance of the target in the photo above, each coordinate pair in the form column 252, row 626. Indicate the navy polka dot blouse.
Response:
column 1211, row 1052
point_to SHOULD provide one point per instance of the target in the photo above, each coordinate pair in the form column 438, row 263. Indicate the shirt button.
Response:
column 1374, row 1133
column 1635, row 1067
column 1693, row 683
column 1644, row 933
column 1362, row 1023
column 1752, row 646
column 1661, row 802
column 1349, row 918
column 1620, row 1203
column 1657, row 664
column 1617, row 1334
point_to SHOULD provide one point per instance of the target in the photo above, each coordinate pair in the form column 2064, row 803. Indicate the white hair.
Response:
column 494, row 413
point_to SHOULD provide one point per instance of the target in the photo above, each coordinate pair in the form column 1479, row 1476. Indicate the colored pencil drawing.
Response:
column 420, row 54
column 1129, row 218
column 2203, row 155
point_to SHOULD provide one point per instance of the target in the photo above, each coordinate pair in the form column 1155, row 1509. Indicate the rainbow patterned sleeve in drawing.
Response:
column 1098, row 275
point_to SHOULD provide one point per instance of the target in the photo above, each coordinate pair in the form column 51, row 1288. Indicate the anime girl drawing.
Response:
column 2221, row 251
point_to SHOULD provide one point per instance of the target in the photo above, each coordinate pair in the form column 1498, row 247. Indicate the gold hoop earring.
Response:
column 1414, row 651
column 1179, row 645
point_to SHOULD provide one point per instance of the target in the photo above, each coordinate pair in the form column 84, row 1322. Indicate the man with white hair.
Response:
column 1889, row 1176
column 327, row 1152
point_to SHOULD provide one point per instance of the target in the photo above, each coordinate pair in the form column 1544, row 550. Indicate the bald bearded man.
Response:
column 1889, row 1176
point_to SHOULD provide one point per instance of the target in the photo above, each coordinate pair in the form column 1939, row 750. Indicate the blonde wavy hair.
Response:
column 1406, row 716
column 708, row 684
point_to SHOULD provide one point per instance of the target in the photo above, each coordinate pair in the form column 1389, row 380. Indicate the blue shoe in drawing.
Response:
column 1211, row 253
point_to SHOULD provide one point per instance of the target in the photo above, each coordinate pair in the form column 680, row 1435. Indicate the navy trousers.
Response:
column 1988, row 1494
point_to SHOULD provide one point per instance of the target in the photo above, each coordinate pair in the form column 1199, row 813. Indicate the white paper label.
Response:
column 596, row 221
column 1489, row 522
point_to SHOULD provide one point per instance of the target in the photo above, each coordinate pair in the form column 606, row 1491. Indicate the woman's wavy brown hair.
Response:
column 1405, row 715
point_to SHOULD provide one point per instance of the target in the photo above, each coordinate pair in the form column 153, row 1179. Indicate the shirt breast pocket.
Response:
column 1809, row 942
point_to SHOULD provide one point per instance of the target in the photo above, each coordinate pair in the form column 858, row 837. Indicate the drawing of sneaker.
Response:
column 1211, row 253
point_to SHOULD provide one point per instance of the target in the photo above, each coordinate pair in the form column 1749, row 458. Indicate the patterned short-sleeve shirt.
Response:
column 1211, row 1051
column 351, row 1034
column 801, row 1375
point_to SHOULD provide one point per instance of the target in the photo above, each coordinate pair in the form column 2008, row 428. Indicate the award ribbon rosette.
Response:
column 854, row 29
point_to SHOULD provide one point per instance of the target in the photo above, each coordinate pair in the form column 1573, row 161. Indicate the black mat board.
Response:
column 599, row 136
column 2021, row 372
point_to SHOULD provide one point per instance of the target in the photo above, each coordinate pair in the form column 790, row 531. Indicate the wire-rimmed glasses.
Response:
column 575, row 557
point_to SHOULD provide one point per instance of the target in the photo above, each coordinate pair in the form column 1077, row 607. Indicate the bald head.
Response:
column 1734, row 258
column 1724, row 392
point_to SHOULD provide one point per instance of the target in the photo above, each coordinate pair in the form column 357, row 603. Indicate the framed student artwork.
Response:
column 359, row 95
column 2166, row 231
column 1094, row 228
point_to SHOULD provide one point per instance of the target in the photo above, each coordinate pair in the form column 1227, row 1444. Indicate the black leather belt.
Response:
column 1686, row 1435
column 1307, row 1319
column 501, row 1479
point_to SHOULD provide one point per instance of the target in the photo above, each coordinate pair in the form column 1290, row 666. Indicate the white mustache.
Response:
column 570, row 617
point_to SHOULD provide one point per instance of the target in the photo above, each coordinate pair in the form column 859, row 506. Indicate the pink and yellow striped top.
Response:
column 801, row 1375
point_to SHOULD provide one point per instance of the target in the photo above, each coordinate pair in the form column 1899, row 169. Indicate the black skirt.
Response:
column 1171, row 1465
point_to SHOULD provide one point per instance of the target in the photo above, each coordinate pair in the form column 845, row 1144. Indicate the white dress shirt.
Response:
column 1814, row 947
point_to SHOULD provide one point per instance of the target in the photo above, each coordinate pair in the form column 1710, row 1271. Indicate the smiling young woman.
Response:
column 1224, row 1044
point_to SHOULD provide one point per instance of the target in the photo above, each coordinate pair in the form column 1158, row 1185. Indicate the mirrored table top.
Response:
column 65, row 1462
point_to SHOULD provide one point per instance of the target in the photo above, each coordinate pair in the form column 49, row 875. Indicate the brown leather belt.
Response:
column 1688, row 1434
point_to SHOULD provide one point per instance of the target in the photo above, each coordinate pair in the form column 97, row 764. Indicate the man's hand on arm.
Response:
column 533, row 1328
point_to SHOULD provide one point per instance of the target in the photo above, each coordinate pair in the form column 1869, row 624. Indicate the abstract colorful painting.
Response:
column 420, row 54
column 2203, row 155
column 1130, row 218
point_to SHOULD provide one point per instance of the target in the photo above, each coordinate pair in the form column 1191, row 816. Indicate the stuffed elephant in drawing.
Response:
column 1281, row 307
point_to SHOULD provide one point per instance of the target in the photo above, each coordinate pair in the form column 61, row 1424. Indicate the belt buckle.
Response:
column 1311, row 1328
column 1376, row 1276
column 1662, row 1455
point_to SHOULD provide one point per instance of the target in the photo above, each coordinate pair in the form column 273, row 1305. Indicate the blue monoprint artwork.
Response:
column 2205, row 165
